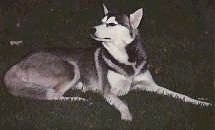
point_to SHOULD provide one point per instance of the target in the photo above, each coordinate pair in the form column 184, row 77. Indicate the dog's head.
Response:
column 117, row 27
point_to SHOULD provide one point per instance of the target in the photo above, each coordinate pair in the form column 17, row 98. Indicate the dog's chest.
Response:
column 120, row 85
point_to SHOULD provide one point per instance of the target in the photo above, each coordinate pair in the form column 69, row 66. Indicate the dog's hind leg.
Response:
column 18, row 85
column 31, row 90
column 73, row 98
column 62, row 88
column 52, row 94
column 145, row 82
column 40, row 92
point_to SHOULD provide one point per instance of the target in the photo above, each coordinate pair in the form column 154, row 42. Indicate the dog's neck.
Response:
column 118, row 51
column 128, row 54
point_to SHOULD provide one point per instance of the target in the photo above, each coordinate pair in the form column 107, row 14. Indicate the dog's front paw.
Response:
column 126, row 116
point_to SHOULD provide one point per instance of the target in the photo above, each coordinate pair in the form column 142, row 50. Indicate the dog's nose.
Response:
column 92, row 30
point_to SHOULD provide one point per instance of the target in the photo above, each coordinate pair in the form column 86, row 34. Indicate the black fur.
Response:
column 135, row 53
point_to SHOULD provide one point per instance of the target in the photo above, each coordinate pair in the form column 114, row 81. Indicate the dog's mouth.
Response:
column 100, row 39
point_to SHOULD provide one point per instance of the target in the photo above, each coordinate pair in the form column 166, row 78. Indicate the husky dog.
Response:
column 112, row 70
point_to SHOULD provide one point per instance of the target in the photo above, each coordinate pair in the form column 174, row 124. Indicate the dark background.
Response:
column 179, row 40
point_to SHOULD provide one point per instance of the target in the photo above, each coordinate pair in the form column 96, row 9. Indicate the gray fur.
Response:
column 46, row 75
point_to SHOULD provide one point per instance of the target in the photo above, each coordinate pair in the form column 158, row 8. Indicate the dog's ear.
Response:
column 136, row 17
column 105, row 9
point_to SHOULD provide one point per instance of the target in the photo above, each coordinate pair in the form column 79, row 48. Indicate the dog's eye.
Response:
column 111, row 24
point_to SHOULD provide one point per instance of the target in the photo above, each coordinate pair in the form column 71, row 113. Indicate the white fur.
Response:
column 99, row 82
column 114, row 38
column 118, row 38
column 119, row 105
column 117, row 33
column 136, row 17
column 119, row 53
column 104, row 19
column 53, row 95
column 105, row 9
column 120, row 85
column 111, row 20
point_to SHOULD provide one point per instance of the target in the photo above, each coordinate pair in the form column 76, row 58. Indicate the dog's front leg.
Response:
column 111, row 98
column 145, row 82
column 119, row 105
column 111, row 93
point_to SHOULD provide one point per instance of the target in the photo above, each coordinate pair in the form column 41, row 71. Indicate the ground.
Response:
column 178, row 37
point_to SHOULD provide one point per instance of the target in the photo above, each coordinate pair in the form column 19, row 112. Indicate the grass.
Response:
column 179, row 42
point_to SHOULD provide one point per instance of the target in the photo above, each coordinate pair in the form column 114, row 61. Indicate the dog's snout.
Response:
column 93, row 30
